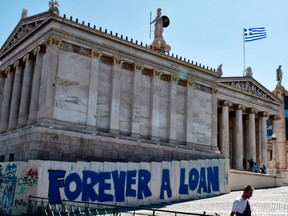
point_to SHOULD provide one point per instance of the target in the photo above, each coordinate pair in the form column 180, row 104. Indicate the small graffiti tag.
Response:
column 20, row 202
column 29, row 180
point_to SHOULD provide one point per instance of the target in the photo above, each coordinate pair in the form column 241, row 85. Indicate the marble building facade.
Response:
column 71, row 92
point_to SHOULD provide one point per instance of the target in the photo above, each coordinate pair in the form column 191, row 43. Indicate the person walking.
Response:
column 241, row 206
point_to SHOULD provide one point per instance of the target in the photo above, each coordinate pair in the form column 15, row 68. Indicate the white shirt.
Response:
column 239, row 205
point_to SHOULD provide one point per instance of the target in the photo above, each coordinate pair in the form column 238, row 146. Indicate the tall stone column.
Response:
column 93, row 88
column 16, row 94
column 26, row 92
column 282, row 151
column 238, row 133
column 188, row 116
column 224, row 128
column 214, row 119
column 2, row 83
column 154, row 109
column 251, row 134
column 48, row 78
column 173, row 110
column 135, row 121
column 7, row 95
column 263, row 138
column 115, row 96
column 274, row 165
column 33, row 107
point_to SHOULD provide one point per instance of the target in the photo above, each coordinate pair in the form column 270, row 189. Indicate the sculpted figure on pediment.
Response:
column 53, row 7
column 24, row 13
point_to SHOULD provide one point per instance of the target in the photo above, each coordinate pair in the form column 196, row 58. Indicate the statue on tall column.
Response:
column 161, row 22
column 279, row 75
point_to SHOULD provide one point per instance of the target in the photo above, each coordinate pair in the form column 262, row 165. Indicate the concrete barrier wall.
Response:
column 238, row 180
column 131, row 184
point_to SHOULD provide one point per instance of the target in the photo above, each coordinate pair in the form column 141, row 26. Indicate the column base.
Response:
column 273, row 168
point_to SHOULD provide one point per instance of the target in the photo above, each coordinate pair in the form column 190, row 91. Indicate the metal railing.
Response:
column 41, row 207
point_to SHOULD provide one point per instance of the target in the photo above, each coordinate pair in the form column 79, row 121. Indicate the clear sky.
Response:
column 206, row 31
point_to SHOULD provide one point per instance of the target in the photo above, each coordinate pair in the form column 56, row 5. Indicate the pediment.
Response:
column 248, row 85
column 23, row 28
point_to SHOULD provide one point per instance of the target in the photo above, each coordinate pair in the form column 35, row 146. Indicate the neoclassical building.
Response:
column 70, row 91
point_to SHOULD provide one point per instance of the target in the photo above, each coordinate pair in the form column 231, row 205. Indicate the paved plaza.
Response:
column 264, row 202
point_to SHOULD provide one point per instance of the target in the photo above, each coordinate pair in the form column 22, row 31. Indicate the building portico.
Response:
column 242, row 125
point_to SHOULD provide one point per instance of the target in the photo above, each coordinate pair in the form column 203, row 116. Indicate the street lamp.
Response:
column 274, row 142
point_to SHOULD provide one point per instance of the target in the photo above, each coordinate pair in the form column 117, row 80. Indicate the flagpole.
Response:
column 243, row 52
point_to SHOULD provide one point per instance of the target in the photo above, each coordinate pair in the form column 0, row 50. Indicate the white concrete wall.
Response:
column 131, row 184
column 238, row 180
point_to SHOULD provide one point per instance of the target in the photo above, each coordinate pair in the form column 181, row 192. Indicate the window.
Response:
column 11, row 157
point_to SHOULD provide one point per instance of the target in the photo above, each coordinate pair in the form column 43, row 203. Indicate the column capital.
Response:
column 26, row 57
column 139, row 67
column 225, row 103
column 36, row 50
column 55, row 41
column 118, row 61
column 274, row 117
column 263, row 114
column 191, row 83
column 157, row 73
column 174, row 78
column 215, row 90
column 251, row 110
column 16, row 64
column 239, row 107
column 7, row 70
column 96, row 54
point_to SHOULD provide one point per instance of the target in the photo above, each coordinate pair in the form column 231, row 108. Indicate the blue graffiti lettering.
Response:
column 207, row 178
column 165, row 185
column 74, row 185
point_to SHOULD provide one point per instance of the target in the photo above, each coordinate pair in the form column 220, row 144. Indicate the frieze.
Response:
column 76, row 49
column 128, row 66
column 165, row 77
column 249, row 87
column 203, row 88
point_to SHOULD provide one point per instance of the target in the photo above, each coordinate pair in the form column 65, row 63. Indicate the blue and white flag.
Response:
column 251, row 34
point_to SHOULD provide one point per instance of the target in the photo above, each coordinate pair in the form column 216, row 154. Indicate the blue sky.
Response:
column 206, row 31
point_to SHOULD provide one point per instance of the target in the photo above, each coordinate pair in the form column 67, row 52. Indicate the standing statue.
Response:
column 279, row 75
column 158, row 31
column 219, row 70
column 53, row 7
column 248, row 72
column 160, row 22
column 24, row 13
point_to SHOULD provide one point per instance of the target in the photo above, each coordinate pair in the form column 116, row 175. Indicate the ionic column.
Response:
column 263, row 138
column 33, row 107
column 188, row 116
column 173, row 110
column 135, row 121
column 16, row 94
column 115, row 96
column 251, row 134
column 7, row 95
column 93, row 88
column 154, row 106
column 26, row 92
column 224, row 128
column 238, row 134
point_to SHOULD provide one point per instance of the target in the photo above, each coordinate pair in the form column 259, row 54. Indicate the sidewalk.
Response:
column 264, row 202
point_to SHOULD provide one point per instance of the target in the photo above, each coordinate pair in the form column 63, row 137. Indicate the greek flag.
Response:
column 251, row 34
